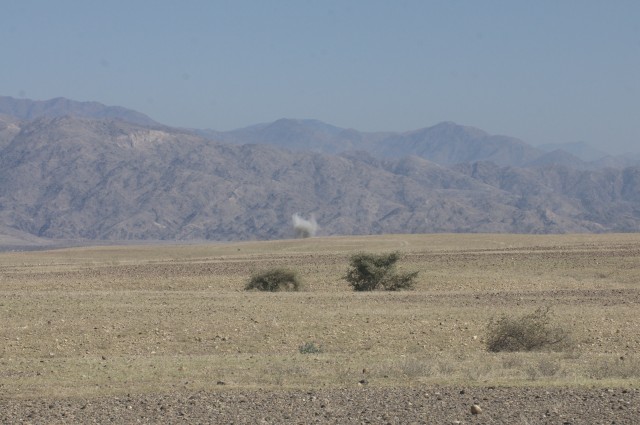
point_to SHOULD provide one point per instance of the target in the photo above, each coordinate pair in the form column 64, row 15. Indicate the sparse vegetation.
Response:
column 616, row 367
column 370, row 272
column 273, row 280
column 310, row 348
column 530, row 332
column 70, row 308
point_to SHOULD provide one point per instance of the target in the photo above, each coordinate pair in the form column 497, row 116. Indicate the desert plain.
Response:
column 167, row 333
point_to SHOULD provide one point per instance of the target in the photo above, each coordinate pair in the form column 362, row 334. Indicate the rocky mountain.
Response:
column 70, row 177
column 599, row 198
column 9, row 127
column 449, row 143
column 26, row 109
column 298, row 135
column 444, row 143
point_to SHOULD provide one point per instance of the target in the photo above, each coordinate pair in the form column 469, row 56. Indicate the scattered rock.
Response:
column 475, row 409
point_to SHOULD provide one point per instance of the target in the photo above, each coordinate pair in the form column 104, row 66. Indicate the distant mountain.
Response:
column 618, row 161
column 104, row 179
column 445, row 143
column 449, row 143
column 80, row 170
column 581, row 150
column 600, row 200
column 25, row 109
column 559, row 157
column 300, row 135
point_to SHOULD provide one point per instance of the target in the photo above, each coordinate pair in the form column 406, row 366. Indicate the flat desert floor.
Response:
column 167, row 334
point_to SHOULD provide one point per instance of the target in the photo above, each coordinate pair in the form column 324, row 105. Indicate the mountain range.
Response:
column 85, row 171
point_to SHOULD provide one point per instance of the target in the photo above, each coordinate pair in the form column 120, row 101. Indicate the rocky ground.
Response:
column 363, row 405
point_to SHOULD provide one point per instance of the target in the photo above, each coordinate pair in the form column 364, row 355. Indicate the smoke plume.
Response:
column 304, row 228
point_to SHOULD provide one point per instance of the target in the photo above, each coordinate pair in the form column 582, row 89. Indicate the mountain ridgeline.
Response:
column 82, row 170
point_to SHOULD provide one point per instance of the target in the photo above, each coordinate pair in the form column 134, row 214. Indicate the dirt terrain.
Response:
column 166, row 334
column 425, row 405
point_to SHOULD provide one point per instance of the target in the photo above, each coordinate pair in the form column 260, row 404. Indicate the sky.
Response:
column 543, row 71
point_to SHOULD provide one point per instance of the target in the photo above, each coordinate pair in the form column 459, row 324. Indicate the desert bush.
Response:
column 414, row 368
column 273, row 280
column 310, row 348
column 368, row 272
column 544, row 368
column 530, row 332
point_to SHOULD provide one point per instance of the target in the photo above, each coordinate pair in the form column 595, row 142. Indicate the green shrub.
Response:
column 368, row 272
column 530, row 332
column 310, row 348
column 273, row 280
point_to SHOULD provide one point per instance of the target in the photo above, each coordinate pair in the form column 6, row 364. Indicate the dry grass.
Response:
column 112, row 320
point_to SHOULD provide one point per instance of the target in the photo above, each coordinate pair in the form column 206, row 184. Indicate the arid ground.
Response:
column 167, row 334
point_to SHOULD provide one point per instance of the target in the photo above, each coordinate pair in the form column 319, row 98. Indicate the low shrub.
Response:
column 274, row 280
column 369, row 272
column 530, row 332
column 310, row 348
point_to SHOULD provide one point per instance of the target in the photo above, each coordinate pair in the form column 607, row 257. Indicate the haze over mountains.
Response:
column 82, row 170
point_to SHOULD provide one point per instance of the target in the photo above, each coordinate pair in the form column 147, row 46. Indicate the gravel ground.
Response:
column 363, row 405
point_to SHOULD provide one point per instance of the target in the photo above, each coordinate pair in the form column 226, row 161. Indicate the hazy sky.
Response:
column 543, row 71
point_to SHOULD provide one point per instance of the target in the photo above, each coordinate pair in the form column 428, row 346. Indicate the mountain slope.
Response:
column 600, row 200
column 449, row 143
column 300, row 135
column 581, row 150
column 26, row 109
column 445, row 143
column 69, row 175
column 73, row 178
column 558, row 157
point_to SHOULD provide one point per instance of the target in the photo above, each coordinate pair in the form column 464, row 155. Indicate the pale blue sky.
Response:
column 543, row 71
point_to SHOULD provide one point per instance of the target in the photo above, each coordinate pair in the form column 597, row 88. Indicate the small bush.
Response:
column 544, row 368
column 309, row 348
column 368, row 272
column 530, row 332
column 275, row 280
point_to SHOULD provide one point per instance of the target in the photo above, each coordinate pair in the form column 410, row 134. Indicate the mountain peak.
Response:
column 450, row 126
column 108, row 178
column 27, row 109
column 582, row 150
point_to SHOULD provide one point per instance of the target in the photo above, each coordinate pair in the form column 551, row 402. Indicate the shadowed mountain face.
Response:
column 104, row 179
